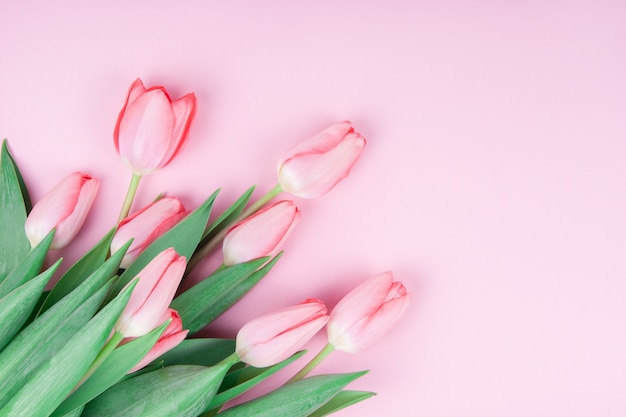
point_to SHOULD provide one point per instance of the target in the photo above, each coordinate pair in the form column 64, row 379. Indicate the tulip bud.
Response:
column 274, row 337
column 64, row 208
column 366, row 313
column 261, row 234
column 145, row 226
column 151, row 128
column 152, row 295
column 315, row 166
column 171, row 337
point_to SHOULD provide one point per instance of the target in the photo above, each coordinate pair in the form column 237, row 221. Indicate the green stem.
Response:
column 257, row 205
column 326, row 350
column 104, row 353
column 217, row 239
column 231, row 359
column 130, row 196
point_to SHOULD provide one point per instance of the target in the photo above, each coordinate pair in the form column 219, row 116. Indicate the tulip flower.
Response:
column 64, row 209
column 151, row 129
column 366, row 313
column 274, row 337
column 145, row 226
column 152, row 295
column 171, row 337
column 261, row 234
column 315, row 166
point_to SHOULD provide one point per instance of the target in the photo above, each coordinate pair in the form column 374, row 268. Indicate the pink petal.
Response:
column 136, row 89
column 261, row 234
column 145, row 132
column 146, row 225
column 282, row 346
column 70, row 225
column 322, row 142
column 265, row 327
column 369, row 330
column 64, row 207
column 273, row 337
column 313, row 174
column 171, row 337
column 184, row 110
column 156, row 288
column 361, row 302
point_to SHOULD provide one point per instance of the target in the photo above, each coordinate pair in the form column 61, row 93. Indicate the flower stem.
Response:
column 104, row 353
column 211, row 244
column 130, row 196
column 232, row 359
column 326, row 350
column 257, row 205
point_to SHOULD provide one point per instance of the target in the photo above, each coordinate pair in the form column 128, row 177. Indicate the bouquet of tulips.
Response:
column 114, row 336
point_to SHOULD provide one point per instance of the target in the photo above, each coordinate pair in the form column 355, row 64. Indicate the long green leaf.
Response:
column 183, row 237
column 74, row 413
column 297, row 399
column 237, row 382
column 227, row 299
column 42, row 338
column 84, row 267
column 14, row 245
column 112, row 370
column 30, row 266
column 194, row 305
column 181, row 391
column 15, row 307
column 56, row 377
column 203, row 351
column 227, row 217
column 40, row 341
column 25, row 196
column 342, row 400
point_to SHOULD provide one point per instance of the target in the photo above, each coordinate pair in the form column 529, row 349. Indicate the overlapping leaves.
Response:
column 50, row 340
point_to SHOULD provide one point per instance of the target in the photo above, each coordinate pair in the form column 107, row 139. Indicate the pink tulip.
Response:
column 261, row 234
column 145, row 226
column 366, row 313
column 273, row 337
column 151, row 128
column 171, row 337
column 315, row 166
column 64, row 208
column 152, row 295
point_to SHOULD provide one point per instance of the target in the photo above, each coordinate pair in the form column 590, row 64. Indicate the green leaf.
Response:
column 28, row 268
column 25, row 196
column 181, row 391
column 297, row 399
column 196, row 305
column 74, row 413
column 84, row 267
column 14, row 245
column 202, row 351
column 56, row 377
column 227, row 299
column 237, row 382
column 15, row 307
column 227, row 217
column 343, row 399
column 37, row 342
column 112, row 370
column 183, row 237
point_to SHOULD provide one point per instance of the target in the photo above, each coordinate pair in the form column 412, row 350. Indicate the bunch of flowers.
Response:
column 112, row 337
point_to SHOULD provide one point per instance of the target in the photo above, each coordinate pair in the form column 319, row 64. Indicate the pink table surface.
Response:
column 492, row 184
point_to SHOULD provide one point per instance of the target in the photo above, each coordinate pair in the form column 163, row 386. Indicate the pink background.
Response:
column 492, row 184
